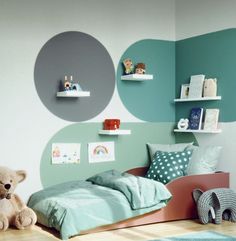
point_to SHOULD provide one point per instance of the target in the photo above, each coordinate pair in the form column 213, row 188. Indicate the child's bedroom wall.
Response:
column 27, row 125
column 206, row 36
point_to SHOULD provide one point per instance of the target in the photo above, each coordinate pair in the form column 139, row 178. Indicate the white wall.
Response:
column 196, row 17
column 25, row 25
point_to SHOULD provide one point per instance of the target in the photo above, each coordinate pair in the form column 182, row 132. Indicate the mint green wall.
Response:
column 214, row 55
column 130, row 150
column 150, row 100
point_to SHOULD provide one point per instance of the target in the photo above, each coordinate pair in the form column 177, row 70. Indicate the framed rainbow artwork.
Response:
column 101, row 152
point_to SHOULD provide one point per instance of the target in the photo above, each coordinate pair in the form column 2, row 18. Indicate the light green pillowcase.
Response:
column 153, row 148
column 204, row 160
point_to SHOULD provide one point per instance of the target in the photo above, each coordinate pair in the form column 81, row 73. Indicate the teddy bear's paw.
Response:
column 3, row 222
column 25, row 218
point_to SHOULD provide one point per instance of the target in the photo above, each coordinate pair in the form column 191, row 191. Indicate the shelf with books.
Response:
column 201, row 121
column 199, row 131
column 195, row 122
column 198, row 99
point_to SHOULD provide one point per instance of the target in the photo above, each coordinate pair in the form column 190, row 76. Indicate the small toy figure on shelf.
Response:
column 71, row 85
column 128, row 66
column 75, row 86
column 183, row 124
column 71, row 89
column 140, row 68
column 67, row 84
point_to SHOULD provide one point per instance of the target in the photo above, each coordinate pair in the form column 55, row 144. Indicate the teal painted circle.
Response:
column 150, row 100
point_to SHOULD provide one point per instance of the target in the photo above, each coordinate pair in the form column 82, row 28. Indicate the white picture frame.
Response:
column 196, row 86
column 65, row 153
column 101, row 152
column 184, row 91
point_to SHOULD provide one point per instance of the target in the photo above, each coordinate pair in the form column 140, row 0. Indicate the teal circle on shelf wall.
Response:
column 82, row 56
column 150, row 100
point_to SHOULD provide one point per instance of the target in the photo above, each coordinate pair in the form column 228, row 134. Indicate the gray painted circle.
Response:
column 84, row 57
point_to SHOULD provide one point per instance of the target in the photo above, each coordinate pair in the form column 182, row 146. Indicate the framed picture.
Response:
column 196, row 86
column 101, row 152
column 65, row 153
column 184, row 91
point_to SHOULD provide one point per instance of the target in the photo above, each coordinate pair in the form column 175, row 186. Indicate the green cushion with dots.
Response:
column 167, row 166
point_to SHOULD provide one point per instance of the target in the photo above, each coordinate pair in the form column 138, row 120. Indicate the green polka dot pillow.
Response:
column 167, row 166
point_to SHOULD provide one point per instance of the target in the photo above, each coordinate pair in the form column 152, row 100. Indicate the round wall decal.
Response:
column 150, row 100
column 82, row 56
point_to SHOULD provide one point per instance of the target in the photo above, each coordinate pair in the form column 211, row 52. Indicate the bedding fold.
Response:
column 139, row 191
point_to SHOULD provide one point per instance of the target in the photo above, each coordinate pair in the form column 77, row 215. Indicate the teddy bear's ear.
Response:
column 21, row 175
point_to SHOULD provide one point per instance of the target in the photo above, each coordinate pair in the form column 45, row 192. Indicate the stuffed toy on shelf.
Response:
column 140, row 68
column 128, row 66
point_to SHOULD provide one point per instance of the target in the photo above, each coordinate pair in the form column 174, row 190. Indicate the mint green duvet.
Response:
column 103, row 199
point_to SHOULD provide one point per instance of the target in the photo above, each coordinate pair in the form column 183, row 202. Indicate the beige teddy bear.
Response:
column 13, row 211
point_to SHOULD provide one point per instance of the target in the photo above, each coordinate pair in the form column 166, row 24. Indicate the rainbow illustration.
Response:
column 100, row 150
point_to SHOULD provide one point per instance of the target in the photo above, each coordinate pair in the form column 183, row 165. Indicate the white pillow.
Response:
column 204, row 160
column 153, row 148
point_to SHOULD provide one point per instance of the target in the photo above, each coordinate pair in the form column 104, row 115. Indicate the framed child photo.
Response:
column 184, row 91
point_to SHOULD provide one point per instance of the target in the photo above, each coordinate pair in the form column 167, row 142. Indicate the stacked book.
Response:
column 196, row 86
column 195, row 118
column 210, row 120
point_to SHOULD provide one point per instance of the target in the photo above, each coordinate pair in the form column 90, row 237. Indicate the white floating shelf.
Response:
column 114, row 132
column 137, row 77
column 73, row 93
column 198, row 99
column 199, row 131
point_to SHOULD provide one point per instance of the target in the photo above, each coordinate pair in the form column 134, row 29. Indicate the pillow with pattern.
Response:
column 153, row 148
column 167, row 166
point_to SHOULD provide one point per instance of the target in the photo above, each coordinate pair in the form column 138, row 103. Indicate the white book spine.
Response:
column 200, row 121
